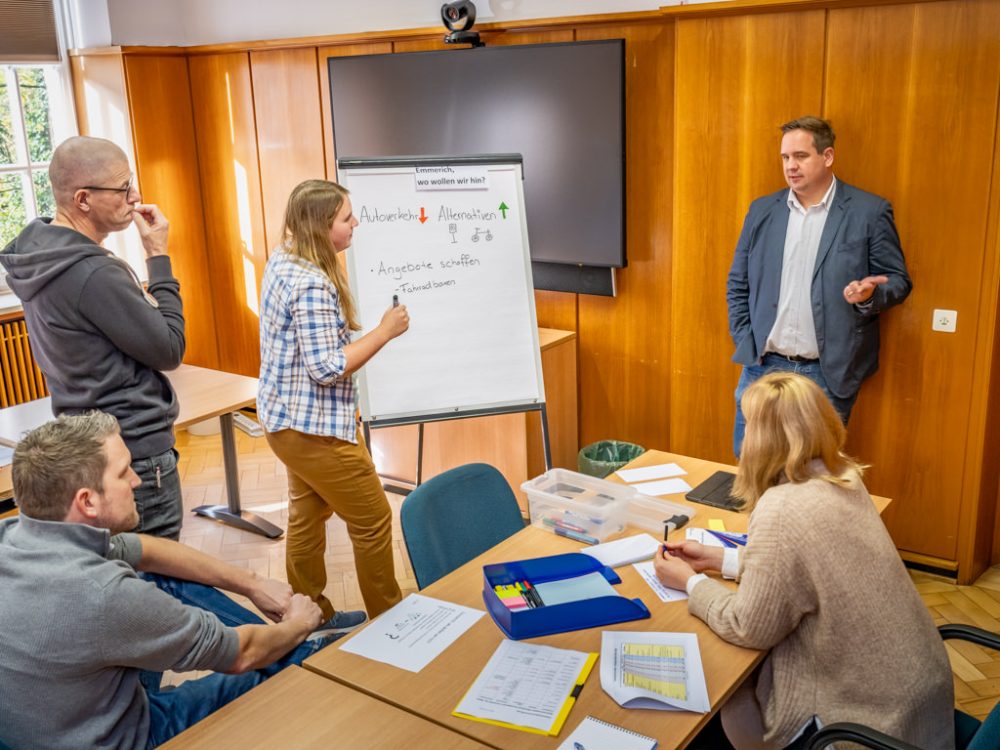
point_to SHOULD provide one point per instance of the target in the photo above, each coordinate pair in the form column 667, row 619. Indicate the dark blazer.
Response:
column 859, row 240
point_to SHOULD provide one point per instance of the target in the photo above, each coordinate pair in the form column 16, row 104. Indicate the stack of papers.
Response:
column 528, row 687
column 666, row 476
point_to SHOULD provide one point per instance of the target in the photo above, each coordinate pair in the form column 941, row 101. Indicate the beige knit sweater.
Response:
column 823, row 587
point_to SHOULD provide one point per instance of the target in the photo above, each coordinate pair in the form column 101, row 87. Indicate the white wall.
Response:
column 190, row 22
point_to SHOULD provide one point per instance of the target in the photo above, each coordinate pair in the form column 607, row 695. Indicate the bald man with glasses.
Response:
column 100, row 338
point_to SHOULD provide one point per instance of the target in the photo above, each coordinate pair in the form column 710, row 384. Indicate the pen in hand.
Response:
column 395, row 300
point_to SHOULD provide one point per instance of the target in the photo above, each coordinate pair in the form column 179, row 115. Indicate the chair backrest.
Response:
column 451, row 518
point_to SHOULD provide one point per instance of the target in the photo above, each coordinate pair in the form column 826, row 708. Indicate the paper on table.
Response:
column 624, row 551
column 589, row 586
column 648, row 573
column 663, row 487
column 653, row 670
column 412, row 634
column 645, row 473
column 526, row 686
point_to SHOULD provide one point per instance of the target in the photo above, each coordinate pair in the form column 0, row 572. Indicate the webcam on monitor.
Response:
column 458, row 18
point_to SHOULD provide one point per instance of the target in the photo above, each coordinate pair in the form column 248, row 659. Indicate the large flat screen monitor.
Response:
column 561, row 106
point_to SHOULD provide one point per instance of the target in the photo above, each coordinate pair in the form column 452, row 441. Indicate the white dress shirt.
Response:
column 794, row 331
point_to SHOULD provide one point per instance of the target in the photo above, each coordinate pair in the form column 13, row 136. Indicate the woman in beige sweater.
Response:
column 821, row 586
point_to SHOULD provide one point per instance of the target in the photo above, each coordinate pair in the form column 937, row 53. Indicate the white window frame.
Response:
column 62, row 121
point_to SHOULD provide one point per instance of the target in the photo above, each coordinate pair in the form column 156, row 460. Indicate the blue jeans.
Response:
column 776, row 363
column 158, row 498
column 174, row 709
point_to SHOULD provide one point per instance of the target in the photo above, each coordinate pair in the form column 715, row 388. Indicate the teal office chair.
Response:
column 455, row 516
column 970, row 733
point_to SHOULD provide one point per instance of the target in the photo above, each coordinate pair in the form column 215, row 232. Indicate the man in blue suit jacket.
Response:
column 813, row 268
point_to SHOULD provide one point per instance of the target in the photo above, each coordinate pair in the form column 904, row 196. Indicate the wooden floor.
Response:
column 264, row 490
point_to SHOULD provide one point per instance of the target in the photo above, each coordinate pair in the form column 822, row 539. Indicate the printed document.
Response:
column 527, row 686
column 412, row 634
column 648, row 573
column 654, row 670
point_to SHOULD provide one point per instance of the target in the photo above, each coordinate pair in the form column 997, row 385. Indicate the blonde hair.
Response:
column 790, row 422
column 312, row 207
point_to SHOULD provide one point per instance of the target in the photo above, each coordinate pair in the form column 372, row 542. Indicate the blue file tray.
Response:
column 555, row 618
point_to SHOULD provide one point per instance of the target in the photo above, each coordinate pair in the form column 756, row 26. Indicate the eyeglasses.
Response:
column 125, row 189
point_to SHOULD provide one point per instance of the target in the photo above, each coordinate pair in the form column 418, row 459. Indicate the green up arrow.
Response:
column 503, row 209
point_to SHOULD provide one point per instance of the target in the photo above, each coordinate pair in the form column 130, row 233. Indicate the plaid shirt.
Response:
column 302, row 361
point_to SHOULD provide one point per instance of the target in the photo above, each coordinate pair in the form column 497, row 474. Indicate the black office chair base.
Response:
column 244, row 520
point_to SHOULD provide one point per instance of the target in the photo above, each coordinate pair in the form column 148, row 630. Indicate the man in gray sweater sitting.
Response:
column 91, row 616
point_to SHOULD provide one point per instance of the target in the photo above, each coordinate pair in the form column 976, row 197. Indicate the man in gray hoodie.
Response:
column 100, row 339
column 86, row 635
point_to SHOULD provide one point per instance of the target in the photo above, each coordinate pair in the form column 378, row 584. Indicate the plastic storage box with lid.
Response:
column 577, row 506
column 650, row 513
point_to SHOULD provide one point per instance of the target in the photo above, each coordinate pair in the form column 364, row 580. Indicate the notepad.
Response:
column 594, row 734
column 528, row 687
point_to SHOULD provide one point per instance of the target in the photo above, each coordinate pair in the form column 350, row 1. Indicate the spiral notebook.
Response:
column 594, row 734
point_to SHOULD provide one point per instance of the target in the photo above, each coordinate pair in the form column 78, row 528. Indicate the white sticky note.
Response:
column 647, row 473
column 663, row 487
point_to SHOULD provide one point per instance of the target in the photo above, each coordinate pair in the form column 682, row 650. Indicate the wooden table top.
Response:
column 436, row 690
column 298, row 708
column 201, row 393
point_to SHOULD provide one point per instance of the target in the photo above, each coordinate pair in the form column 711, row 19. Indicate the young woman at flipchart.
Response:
column 306, row 400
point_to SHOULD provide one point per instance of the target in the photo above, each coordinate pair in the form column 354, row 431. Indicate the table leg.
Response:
column 232, row 514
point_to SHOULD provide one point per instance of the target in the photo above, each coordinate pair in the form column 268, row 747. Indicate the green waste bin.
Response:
column 605, row 456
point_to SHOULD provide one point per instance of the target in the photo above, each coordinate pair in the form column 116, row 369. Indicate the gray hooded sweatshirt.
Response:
column 98, row 338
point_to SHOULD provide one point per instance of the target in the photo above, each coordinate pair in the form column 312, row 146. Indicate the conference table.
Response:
column 201, row 394
column 437, row 689
column 298, row 708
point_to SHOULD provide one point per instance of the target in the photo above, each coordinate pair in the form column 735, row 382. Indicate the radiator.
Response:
column 20, row 378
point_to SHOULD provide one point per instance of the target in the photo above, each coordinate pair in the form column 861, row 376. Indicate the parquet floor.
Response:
column 263, row 489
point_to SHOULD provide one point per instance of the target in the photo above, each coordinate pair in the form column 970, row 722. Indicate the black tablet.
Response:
column 715, row 491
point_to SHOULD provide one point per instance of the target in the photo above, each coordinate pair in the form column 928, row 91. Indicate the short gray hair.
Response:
column 54, row 461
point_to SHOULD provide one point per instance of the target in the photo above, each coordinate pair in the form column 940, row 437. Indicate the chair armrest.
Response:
column 971, row 633
column 849, row 732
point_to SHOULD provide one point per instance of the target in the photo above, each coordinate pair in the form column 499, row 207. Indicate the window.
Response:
column 34, row 118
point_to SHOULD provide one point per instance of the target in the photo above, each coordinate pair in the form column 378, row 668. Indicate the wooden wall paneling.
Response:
column 227, row 148
column 556, row 309
column 102, row 112
column 323, row 56
column 987, row 528
column 286, row 95
column 100, row 97
column 990, row 490
column 737, row 80
column 623, row 341
column 167, row 167
column 912, row 90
